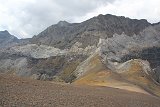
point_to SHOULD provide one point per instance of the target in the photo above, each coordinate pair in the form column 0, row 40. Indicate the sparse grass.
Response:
column 94, row 65
column 133, row 79
column 136, row 75
column 93, row 79
column 67, row 73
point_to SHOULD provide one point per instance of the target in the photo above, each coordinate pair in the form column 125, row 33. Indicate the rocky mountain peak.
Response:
column 5, row 31
column 64, row 34
column 63, row 23
column 6, row 39
column 5, row 34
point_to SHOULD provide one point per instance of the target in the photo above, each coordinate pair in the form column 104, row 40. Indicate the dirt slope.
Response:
column 21, row 92
column 109, row 79
column 131, row 76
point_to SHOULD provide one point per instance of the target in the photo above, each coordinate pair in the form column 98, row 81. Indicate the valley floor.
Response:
column 22, row 92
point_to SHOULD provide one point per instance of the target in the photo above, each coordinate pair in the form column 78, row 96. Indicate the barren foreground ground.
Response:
column 21, row 92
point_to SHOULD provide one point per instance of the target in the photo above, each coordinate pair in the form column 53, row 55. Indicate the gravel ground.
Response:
column 22, row 92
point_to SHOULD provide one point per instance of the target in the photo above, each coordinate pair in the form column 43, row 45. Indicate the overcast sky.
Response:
column 25, row 18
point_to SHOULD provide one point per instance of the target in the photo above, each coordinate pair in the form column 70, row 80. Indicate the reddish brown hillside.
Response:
column 20, row 92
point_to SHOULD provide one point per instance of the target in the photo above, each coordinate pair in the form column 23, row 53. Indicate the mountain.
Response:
column 133, row 75
column 6, row 39
column 106, row 50
column 64, row 34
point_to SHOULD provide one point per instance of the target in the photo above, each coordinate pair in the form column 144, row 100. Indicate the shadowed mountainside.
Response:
column 64, row 34
column 6, row 39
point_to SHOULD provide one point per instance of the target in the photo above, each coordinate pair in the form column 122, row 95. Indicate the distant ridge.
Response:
column 89, row 32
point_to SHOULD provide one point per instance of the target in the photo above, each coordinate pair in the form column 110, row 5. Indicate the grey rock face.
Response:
column 44, row 51
column 36, row 51
column 64, row 34
column 38, row 68
column 121, row 48
column 16, row 66
column 6, row 39
column 63, row 24
column 120, row 45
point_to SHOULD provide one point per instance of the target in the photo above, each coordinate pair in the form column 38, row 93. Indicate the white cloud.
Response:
column 25, row 18
column 139, row 9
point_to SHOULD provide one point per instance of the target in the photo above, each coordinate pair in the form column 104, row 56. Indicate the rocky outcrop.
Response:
column 40, row 68
column 35, row 51
column 121, row 48
column 43, row 62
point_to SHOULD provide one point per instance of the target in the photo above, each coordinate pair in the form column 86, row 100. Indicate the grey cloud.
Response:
column 26, row 18
column 36, row 16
